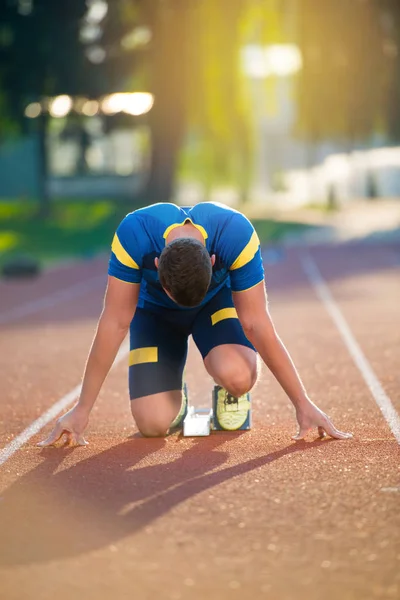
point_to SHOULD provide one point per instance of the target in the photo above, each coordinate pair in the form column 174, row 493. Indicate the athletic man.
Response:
column 178, row 271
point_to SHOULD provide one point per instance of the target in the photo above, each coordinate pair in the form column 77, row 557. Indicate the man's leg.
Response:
column 154, row 414
column 228, row 356
column 233, row 366
column 156, row 362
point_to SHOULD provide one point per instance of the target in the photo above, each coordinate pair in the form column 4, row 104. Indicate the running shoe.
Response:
column 231, row 412
column 178, row 421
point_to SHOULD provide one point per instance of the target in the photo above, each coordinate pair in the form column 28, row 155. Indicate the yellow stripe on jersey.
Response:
column 140, row 356
column 174, row 225
column 122, row 254
column 224, row 313
column 247, row 254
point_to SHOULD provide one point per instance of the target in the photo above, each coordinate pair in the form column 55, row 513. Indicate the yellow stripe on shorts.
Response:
column 122, row 254
column 247, row 254
column 224, row 313
column 140, row 356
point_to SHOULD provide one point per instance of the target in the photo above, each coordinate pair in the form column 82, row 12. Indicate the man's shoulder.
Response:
column 159, row 216
column 215, row 209
column 225, row 218
column 161, row 211
column 168, row 210
column 221, row 217
column 154, row 217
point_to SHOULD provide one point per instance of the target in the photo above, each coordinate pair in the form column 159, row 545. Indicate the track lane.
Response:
column 228, row 515
column 15, row 293
column 42, row 359
column 375, row 282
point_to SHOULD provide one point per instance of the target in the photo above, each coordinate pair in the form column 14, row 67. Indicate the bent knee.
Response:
column 151, row 426
column 153, row 431
column 238, row 381
column 237, row 386
column 154, row 414
column 235, row 369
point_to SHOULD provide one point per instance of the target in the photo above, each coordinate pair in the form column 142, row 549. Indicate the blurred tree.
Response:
column 348, row 87
column 40, row 55
column 185, row 52
column 193, row 68
column 167, row 80
column 50, row 48
column 217, row 105
column 390, row 27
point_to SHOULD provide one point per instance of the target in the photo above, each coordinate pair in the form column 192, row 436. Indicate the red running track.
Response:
column 230, row 516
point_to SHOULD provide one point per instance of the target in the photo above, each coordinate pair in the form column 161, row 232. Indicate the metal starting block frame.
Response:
column 197, row 421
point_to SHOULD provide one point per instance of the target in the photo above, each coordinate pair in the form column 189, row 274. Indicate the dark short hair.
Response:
column 185, row 270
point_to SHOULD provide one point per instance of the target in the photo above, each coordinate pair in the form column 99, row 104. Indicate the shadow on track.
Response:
column 54, row 512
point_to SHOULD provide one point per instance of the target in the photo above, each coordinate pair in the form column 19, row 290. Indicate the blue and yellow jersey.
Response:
column 228, row 234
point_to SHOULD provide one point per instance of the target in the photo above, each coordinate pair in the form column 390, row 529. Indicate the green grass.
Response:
column 74, row 229
column 80, row 229
column 269, row 230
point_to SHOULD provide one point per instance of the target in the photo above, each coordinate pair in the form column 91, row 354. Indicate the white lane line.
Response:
column 323, row 292
column 69, row 293
column 49, row 415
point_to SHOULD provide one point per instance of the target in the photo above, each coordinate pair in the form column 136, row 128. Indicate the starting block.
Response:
column 197, row 421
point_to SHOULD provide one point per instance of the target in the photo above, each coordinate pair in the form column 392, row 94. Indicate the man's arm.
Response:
column 119, row 307
column 252, row 309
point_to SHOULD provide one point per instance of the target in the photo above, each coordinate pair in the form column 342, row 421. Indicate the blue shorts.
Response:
column 159, row 341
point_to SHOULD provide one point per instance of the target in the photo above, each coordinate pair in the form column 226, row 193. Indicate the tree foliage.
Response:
column 193, row 67
column 217, row 107
column 40, row 51
column 348, row 86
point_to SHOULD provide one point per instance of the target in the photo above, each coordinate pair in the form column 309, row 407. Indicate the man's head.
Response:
column 184, row 270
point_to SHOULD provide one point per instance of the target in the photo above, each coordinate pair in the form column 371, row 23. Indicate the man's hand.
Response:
column 71, row 426
column 119, row 307
column 309, row 416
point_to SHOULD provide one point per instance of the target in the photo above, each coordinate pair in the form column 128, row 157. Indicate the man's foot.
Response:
column 178, row 421
column 231, row 412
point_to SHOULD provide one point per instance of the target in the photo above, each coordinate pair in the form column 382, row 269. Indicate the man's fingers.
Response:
column 340, row 435
column 301, row 434
column 77, row 440
column 69, row 438
column 335, row 433
column 323, row 430
column 73, row 439
column 55, row 435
